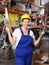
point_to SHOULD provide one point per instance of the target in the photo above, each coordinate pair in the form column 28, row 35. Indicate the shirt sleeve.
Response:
column 32, row 34
column 15, row 33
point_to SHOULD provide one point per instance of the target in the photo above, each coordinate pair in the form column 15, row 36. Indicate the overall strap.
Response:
column 21, row 30
column 28, row 31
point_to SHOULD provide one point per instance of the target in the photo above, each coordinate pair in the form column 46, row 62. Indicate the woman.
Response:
column 23, row 38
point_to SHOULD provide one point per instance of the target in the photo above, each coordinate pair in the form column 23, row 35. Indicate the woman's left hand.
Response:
column 42, row 33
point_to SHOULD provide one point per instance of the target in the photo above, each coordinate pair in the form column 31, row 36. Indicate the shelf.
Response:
column 13, row 12
column 2, row 10
column 20, row 12
column 36, row 27
column 30, row 2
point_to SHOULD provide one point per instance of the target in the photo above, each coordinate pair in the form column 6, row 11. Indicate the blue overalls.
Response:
column 24, row 49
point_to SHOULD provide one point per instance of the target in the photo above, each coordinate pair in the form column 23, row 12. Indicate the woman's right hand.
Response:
column 7, row 29
column 7, row 26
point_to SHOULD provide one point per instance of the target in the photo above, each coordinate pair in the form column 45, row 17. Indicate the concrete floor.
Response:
column 9, row 62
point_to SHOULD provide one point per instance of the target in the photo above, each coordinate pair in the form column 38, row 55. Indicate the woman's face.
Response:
column 25, row 23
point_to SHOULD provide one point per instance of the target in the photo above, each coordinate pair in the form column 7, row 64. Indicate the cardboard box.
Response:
column 35, row 63
column 38, row 57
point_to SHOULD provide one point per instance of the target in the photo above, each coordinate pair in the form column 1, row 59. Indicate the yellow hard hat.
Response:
column 25, row 16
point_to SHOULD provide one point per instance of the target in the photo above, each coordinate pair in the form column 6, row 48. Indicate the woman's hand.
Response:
column 37, row 41
column 7, row 29
column 42, row 33
column 7, row 26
